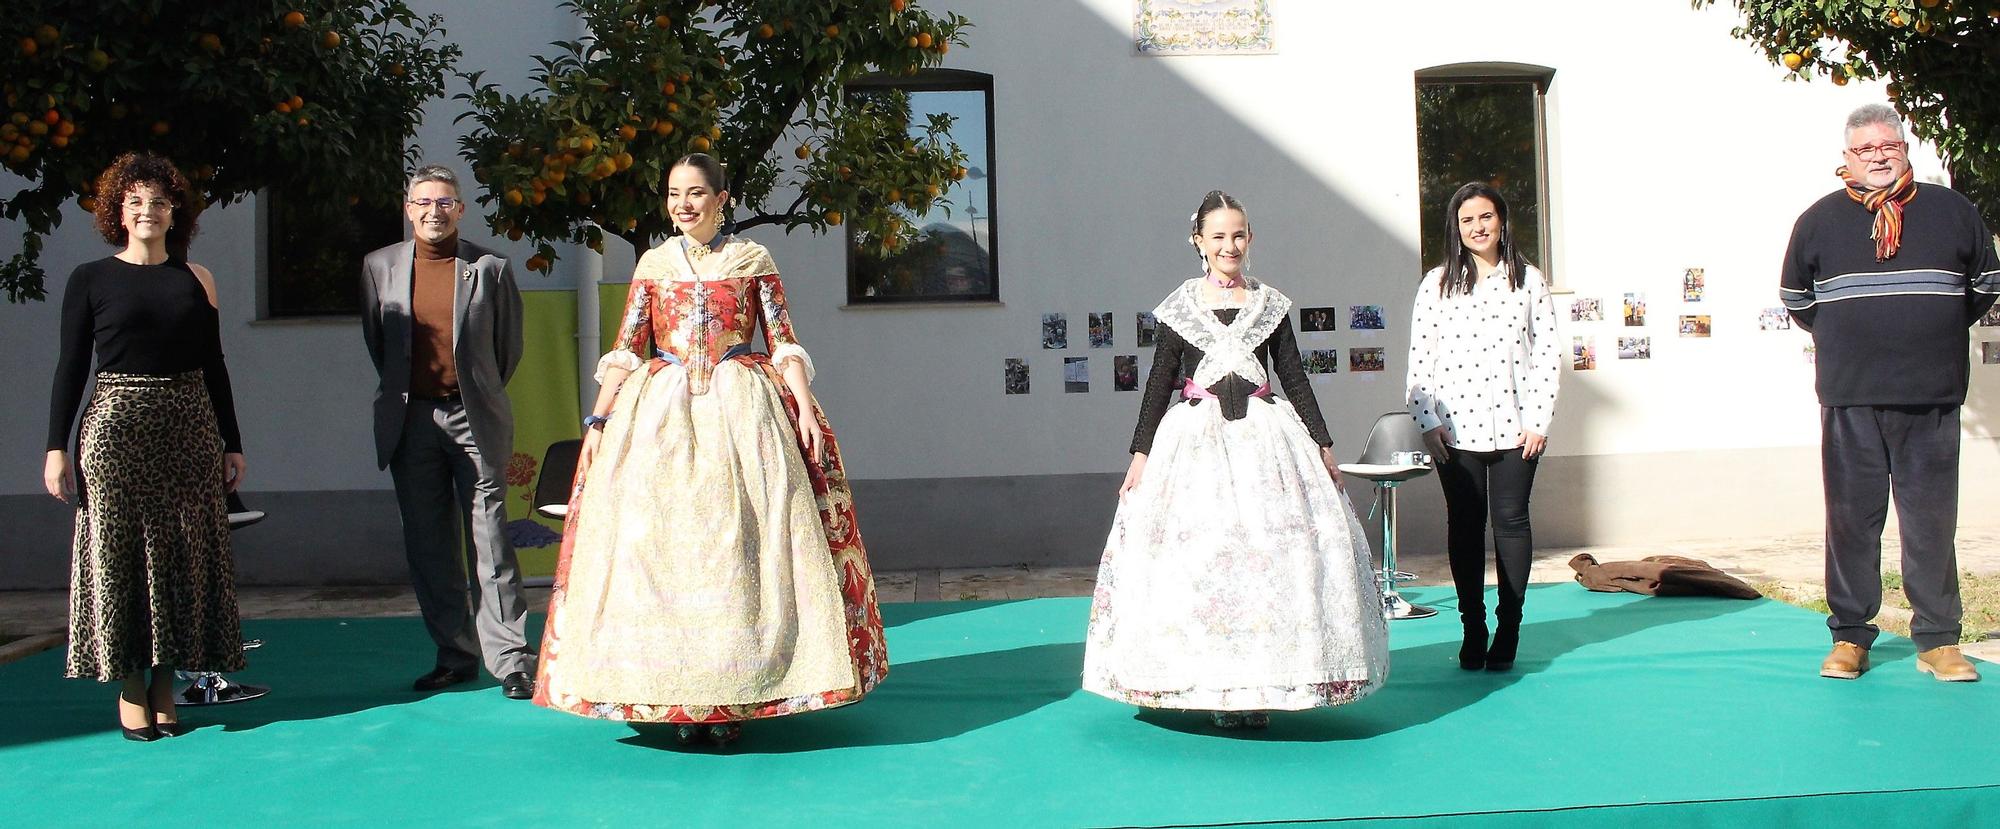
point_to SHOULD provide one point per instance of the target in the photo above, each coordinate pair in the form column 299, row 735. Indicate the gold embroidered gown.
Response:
column 710, row 571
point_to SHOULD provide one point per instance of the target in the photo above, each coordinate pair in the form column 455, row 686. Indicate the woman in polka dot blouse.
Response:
column 1484, row 364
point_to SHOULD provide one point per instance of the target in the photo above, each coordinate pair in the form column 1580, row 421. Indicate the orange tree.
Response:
column 315, row 96
column 1938, row 55
column 586, row 152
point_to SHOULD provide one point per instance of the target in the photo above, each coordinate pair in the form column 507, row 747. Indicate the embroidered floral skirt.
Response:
column 1236, row 576
column 151, row 578
column 709, row 572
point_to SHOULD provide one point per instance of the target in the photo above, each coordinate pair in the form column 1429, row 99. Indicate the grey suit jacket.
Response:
column 486, row 345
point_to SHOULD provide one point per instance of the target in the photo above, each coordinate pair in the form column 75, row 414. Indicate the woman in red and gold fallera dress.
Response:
column 711, row 569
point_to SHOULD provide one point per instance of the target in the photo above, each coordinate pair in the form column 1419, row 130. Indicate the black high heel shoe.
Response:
column 1472, row 654
column 142, row 734
column 172, row 729
column 1500, row 657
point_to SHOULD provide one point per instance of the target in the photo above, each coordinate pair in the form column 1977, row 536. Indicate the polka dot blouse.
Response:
column 1485, row 363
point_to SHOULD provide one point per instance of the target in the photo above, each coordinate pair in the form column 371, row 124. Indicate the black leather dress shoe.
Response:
column 518, row 685
column 441, row 678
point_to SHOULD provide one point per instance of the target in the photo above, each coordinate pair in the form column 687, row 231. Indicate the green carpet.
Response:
column 1647, row 712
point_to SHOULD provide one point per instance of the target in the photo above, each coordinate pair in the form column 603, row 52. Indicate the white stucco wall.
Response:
column 1681, row 148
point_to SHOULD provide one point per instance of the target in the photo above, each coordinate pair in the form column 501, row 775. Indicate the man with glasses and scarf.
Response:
column 1888, row 274
column 442, row 318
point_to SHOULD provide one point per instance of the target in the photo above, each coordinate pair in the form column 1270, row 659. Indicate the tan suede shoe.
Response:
column 1847, row 661
column 1947, row 664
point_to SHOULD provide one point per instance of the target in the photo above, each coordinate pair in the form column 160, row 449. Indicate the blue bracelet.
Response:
column 593, row 421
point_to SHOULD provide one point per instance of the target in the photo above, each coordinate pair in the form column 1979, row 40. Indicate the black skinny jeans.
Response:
column 1478, row 485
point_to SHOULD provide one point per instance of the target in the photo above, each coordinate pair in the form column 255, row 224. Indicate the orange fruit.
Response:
column 59, row 141
column 66, row 128
column 295, row 19
column 624, row 161
column 833, row 217
column 700, row 143
column 943, row 47
column 96, row 60
column 538, row 263
column 715, row 133
column 924, row 40
column 396, row 69
column 37, row 128
column 662, row 21
column 912, row 42
column 513, row 234
column 297, row 102
column 330, row 40
column 766, row 31
column 895, row 195
column 898, row 5
column 304, row 121
column 87, row 203
column 673, row 107
column 802, row 152
column 28, row 47
column 52, row 117
column 513, row 198
column 210, row 42
column 628, row 132
column 833, row 30
column 663, row 128
column 846, row 171
column 18, row 155
column 538, row 197
column 1792, row 60
column 667, row 88
column 1839, row 79
column 283, row 106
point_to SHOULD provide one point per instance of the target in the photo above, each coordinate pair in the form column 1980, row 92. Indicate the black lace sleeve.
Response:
column 1283, row 349
column 1160, row 385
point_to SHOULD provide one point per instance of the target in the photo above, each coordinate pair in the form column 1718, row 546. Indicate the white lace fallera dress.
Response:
column 1236, row 576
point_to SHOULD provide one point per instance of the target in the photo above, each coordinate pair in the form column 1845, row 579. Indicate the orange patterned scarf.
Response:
column 1887, row 205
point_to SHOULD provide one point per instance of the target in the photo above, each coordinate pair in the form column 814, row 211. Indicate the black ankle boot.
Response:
column 1472, row 654
column 1500, row 656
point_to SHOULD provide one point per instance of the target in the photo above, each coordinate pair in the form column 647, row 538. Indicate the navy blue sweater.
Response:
column 1891, row 333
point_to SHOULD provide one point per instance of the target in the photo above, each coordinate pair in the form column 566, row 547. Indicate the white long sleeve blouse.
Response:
column 1485, row 363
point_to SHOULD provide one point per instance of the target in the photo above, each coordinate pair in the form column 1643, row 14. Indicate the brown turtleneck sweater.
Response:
column 433, row 303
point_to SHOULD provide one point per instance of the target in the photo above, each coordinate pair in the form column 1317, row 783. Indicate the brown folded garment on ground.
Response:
column 1659, row 576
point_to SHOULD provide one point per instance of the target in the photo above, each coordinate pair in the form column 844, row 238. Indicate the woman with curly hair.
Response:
column 152, row 585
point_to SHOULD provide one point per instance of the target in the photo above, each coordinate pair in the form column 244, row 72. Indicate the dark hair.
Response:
column 711, row 170
column 1216, row 200
column 131, row 170
column 1460, row 274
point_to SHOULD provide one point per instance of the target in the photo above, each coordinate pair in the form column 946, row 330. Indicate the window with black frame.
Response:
column 313, row 254
column 954, row 257
column 1483, row 122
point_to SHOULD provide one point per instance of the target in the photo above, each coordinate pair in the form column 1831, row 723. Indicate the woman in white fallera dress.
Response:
column 1236, row 579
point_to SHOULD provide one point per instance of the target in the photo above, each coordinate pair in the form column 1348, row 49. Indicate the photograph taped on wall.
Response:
column 1149, row 329
column 1989, row 353
column 1100, row 330
column 1774, row 319
column 1635, row 348
column 1992, row 317
column 1055, row 331
column 1694, row 325
column 1366, row 318
column 1202, row 27
column 1076, row 375
column 1016, row 380
column 1583, row 354
column 1693, row 281
column 1812, row 354
column 1319, row 319
column 1125, row 372
column 1321, row 361
column 1635, row 309
column 1366, row 359
column 1586, row 310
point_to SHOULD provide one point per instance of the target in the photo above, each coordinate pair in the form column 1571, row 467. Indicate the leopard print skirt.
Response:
column 151, row 578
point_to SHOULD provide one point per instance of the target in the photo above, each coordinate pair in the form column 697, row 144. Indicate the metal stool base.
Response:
column 1398, row 607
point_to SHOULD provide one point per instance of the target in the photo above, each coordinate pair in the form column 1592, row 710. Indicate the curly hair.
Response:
column 132, row 170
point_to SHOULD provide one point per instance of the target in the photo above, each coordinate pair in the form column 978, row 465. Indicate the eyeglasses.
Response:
column 1886, row 149
column 442, row 203
column 152, row 206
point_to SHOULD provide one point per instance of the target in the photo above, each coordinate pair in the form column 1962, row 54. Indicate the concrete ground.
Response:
column 31, row 621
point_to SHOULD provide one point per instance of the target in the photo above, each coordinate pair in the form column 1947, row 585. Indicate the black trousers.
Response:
column 1867, row 452
column 1479, row 486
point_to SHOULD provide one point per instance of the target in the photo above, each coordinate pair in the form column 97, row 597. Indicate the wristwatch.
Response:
column 595, row 421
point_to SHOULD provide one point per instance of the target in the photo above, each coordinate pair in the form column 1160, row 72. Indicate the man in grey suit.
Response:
column 442, row 318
